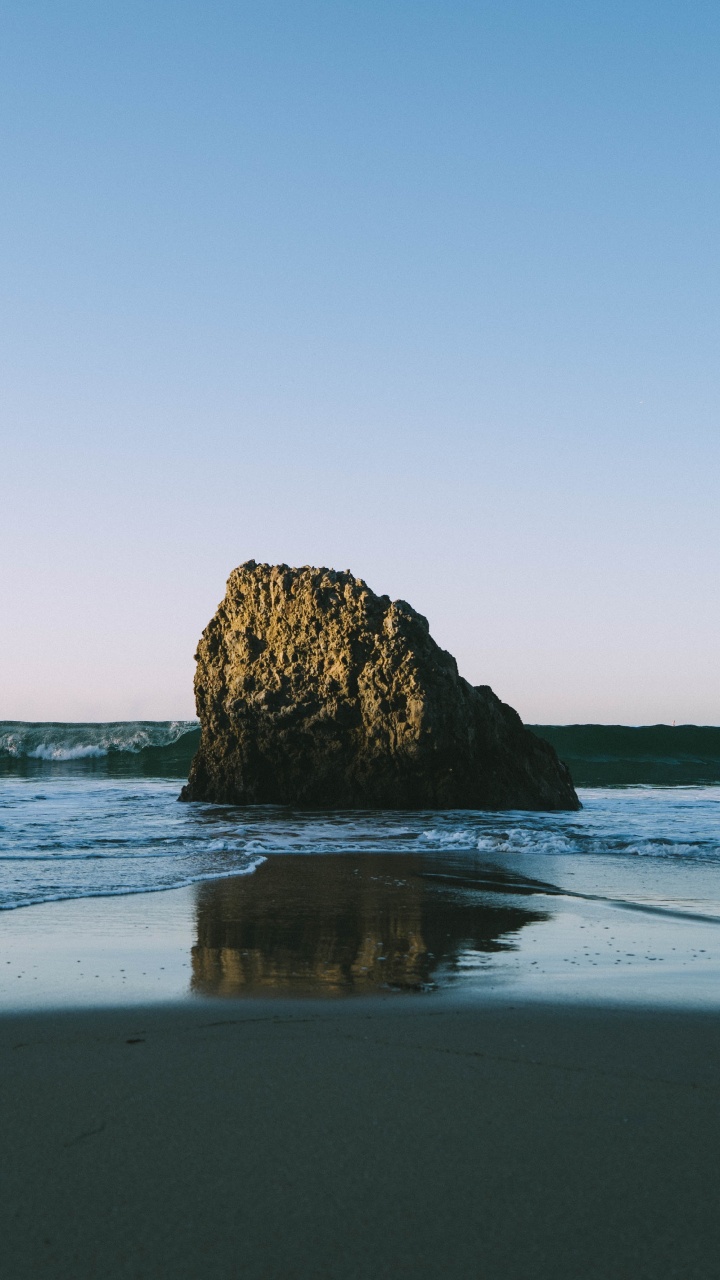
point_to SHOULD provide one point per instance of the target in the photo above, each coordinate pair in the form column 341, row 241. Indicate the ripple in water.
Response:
column 84, row 836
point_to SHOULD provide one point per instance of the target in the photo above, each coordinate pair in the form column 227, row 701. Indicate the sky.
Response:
column 426, row 289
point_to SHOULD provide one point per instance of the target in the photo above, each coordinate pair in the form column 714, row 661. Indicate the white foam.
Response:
column 86, row 741
column 450, row 839
column 10, row 904
column 54, row 751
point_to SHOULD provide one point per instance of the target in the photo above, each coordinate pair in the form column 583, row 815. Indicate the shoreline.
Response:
column 360, row 1139
column 345, row 927
column 357, row 1066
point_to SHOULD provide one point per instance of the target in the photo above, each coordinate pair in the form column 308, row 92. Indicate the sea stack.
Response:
column 313, row 691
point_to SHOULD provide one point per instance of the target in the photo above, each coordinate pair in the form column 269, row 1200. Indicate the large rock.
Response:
column 313, row 691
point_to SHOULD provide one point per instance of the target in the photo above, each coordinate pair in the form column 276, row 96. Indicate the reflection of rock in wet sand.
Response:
column 339, row 924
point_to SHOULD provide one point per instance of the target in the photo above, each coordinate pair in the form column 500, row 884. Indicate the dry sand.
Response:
column 358, row 1139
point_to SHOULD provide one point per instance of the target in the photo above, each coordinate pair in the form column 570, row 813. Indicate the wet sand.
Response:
column 365, row 1138
column 343, row 1067
column 349, row 926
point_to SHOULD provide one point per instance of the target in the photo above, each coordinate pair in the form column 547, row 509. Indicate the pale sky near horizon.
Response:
column 427, row 289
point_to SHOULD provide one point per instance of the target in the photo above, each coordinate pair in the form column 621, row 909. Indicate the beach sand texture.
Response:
column 360, row 1139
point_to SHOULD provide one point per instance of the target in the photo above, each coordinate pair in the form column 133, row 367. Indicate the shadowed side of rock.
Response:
column 313, row 691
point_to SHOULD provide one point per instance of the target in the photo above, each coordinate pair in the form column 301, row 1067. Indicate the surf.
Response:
column 155, row 748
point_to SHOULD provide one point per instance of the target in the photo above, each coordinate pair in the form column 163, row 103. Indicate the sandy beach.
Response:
column 363, row 1065
column 368, row 1139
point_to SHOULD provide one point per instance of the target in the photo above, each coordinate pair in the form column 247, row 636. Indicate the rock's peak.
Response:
column 288, row 576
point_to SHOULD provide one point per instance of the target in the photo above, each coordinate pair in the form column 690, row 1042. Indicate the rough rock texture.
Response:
column 313, row 691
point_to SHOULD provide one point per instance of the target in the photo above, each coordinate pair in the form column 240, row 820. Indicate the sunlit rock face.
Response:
column 313, row 691
column 336, row 925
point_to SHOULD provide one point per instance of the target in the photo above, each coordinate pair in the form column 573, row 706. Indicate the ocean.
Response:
column 358, row 901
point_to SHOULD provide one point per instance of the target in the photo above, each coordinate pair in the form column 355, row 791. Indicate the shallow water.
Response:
column 355, row 925
column 66, row 836
column 618, row 901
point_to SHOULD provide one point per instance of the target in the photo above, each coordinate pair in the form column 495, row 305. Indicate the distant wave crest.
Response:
column 128, row 746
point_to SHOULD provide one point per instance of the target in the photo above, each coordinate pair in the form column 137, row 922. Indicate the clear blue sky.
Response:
column 427, row 289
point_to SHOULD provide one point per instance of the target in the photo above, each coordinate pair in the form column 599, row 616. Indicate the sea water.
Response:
column 76, row 837
column 352, row 900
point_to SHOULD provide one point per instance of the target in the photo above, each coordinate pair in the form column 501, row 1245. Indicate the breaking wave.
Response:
column 161, row 748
